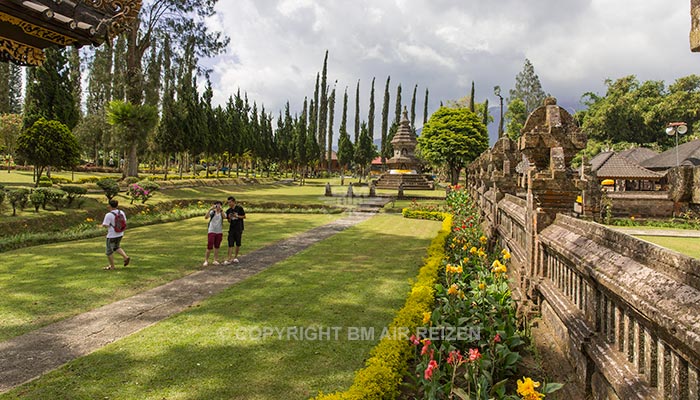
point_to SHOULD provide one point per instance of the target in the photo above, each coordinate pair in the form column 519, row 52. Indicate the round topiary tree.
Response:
column 109, row 186
column 49, row 144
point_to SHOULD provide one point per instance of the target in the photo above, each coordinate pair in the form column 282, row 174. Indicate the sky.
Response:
column 277, row 48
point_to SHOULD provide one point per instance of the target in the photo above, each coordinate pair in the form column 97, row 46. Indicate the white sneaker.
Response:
column 205, row 264
column 227, row 262
column 235, row 260
column 215, row 262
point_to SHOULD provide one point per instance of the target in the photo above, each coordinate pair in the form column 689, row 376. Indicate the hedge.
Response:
column 418, row 214
column 388, row 362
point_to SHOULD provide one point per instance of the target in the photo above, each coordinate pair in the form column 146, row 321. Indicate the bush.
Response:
column 2, row 195
column 38, row 199
column 55, row 197
column 89, row 179
column 130, row 180
column 142, row 191
column 45, row 181
column 18, row 198
column 73, row 192
column 431, row 215
column 57, row 180
column 109, row 186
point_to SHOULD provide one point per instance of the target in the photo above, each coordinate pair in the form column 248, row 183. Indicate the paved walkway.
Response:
column 29, row 356
column 651, row 231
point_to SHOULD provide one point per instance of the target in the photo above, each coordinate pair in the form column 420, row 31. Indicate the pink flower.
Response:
column 497, row 338
column 429, row 371
column 426, row 345
column 474, row 354
column 414, row 340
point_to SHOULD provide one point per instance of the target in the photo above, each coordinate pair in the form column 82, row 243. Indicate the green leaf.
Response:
column 551, row 387
column 460, row 393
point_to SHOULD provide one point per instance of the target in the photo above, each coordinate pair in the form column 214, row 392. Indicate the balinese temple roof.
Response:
column 29, row 26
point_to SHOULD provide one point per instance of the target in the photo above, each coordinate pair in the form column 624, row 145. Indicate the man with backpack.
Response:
column 115, row 221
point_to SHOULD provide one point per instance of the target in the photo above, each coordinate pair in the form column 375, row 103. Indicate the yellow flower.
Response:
column 482, row 286
column 481, row 253
column 483, row 239
column 452, row 245
column 472, row 250
column 426, row 317
column 526, row 388
column 466, row 260
column 506, row 255
column 464, row 247
column 498, row 268
column 89, row 219
column 453, row 289
column 458, row 269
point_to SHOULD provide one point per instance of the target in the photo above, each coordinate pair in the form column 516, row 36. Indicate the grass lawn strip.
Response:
column 357, row 278
column 45, row 284
column 689, row 246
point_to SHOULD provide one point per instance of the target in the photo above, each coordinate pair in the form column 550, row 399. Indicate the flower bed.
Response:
column 469, row 346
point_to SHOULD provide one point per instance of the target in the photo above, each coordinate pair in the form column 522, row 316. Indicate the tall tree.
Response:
column 345, row 148
column 134, row 122
column 15, row 89
column 153, row 77
column 357, row 112
column 497, row 92
column 313, row 109
column 385, row 122
column 472, row 99
column 425, row 107
column 120, row 70
column 50, row 91
column 370, row 115
column 394, row 125
column 76, row 78
column 528, row 88
column 516, row 116
column 323, row 108
column 48, row 144
column 4, row 87
column 413, row 108
column 453, row 137
column 485, row 113
column 365, row 150
column 331, row 115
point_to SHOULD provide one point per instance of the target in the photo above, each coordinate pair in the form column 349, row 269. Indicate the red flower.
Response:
column 426, row 345
column 497, row 338
column 429, row 371
column 414, row 340
column 474, row 354
column 455, row 358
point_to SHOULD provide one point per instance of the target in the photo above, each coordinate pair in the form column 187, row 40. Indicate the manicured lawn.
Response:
column 357, row 278
column 43, row 284
column 687, row 246
column 25, row 177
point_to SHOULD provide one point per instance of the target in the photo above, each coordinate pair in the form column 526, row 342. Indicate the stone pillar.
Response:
column 328, row 190
column 372, row 189
column 350, row 193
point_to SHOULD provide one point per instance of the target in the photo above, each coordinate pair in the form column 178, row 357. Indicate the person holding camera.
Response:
column 235, row 216
column 215, row 233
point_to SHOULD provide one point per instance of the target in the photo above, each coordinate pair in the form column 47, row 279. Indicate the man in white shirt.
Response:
column 114, row 238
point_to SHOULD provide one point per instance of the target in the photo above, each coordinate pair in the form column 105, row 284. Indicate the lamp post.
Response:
column 674, row 129
column 497, row 92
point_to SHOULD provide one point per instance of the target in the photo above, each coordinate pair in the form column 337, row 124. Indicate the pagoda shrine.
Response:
column 29, row 26
column 404, row 166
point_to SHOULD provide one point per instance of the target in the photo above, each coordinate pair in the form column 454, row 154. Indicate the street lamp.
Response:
column 674, row 129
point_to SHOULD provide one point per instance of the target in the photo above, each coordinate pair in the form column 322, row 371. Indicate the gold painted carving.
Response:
column 37, row 31
column 695, row 25
column 124, row 11
column 21, row 53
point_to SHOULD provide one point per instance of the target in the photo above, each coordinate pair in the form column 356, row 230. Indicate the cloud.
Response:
column 277, row 46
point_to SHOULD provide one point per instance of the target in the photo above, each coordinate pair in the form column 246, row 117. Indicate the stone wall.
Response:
column 626, row 312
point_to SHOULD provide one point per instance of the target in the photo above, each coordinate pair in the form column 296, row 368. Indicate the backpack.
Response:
column 119, row 222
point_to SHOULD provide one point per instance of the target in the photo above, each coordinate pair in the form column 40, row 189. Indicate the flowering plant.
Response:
column 142, row 191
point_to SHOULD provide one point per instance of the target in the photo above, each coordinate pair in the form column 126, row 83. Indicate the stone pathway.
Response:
column 29, row 356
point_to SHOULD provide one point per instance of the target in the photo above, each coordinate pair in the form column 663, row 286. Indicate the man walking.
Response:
column 235, row 216
column 115, row 221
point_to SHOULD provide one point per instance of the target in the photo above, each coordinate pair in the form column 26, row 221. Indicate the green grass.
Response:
column 24, row 178
column 359, row 277
column 44, row 284
column 687, row 246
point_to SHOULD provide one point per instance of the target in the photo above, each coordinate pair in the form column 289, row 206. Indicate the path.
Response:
column 651, row 231
column 31, row 355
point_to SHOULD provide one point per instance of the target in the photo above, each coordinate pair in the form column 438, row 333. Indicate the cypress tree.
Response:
column 357, row 112
column 323, row 108
column 486, row 113
column 425, row 107
column 4, row 87
column 313, row 110
column 397, row 118
column 331, row 113
column 75, row 80
column 413, row 108
column 50, row 93
column 15, row 89
column 472, row 104
column 385, row 121
column 345, row 149
column 370, row 117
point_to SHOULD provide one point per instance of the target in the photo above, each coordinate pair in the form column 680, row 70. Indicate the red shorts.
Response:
column 214, row 240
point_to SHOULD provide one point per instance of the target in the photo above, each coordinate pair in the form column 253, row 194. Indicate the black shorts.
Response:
column 234, row 238
column 113, row 245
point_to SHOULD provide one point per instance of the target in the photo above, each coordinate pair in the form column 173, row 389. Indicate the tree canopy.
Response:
column 453, row 137
column 49, row 144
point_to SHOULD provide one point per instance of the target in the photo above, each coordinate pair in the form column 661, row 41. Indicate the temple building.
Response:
column 29, row 26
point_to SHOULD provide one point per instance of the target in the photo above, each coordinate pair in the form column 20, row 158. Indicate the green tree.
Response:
column 323, row 109
column 50, row 91
column 365, row 150
column 10, row 129
column 357, row 112
column 528, row 89
column 385, row 121
column 4, row 87
column 345, row 148
column 370, row 114
column 76, row 79
column 425, row 107
column 453, row 137
column 134, row 122
column 395, row 124
column 331, row 115
column 472, row 99
column 413, row 108
column 49, row 144
column 516, row 116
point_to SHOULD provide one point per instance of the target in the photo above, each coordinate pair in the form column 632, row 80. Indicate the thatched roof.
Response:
column 638, row 154
column 618, row 167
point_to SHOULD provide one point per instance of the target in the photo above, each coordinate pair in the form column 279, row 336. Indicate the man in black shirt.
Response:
column 235, row 216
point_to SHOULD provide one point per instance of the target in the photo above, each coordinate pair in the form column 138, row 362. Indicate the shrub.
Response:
column 57, row 180
column 130, row 180
column 56, row 197
column 45, row 181
column 142, row 191
column 38, row 199
column 89, row 179
column 73, row 192
column 2, row 195
column 18, row 198
column 109, row 186
column 417, row 214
